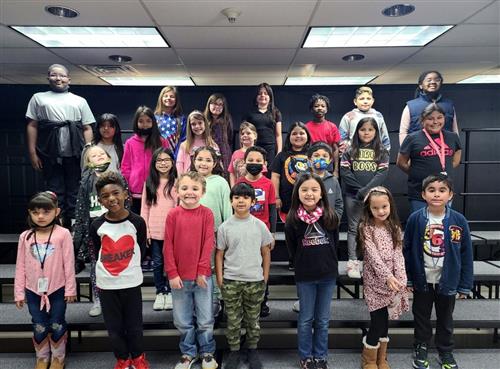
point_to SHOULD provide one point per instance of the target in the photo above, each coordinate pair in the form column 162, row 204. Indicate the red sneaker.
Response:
column 123, row 364
column 140, row 362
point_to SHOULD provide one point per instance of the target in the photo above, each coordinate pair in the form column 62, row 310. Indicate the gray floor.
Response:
column 272, row 359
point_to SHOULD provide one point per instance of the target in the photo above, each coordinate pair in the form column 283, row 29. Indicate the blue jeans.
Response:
column 47, row 322
column 315, row 298
column 193, row 317
column 161, row 282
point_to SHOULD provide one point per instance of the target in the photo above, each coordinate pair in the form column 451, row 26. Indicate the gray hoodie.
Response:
column 334, row 192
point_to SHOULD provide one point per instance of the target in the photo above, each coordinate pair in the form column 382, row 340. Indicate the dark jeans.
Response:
column 161, row 283
column 47, row 322
column 422, row 308
column 122, row 312
column 64, row 180
column 379, row 326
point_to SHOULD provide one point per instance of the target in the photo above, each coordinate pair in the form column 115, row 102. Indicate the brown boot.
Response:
column 369, row 355
column 58, row 352
column 42, row 351
column 382, row 354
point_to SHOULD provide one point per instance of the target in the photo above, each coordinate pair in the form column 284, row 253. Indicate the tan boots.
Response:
column 382, row 354
column 42, row 351
column 375, row 357
column 58, row 350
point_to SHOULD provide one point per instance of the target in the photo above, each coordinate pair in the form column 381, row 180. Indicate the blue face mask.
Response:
column 320, row 164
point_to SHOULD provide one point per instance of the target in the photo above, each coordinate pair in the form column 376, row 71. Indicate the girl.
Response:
column 198, row 134
column 380, row 239
column 171, row 121
column 45, row 278
column 428, row 91
column 138, row 151
column 216, row 198
column 158, row 198
column 248, row 138
column 108, row 135
column 221, row 125
column 363, row 166
column 431, row 150
column 310, row 236
column 267, row 118
column 288, row 164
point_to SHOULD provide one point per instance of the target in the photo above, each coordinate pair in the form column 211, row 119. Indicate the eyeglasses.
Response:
column 435, row 80
column 163, row 160
column 62, row 76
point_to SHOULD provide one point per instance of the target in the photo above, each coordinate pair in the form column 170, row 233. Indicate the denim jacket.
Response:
column 457, row 272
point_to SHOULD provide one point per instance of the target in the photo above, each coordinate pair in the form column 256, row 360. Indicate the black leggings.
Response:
column 379, row 326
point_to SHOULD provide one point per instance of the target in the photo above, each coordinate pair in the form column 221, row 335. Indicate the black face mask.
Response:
column 254, row 169
column 144, row 131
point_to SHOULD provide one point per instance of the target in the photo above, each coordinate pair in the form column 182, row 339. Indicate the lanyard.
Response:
column 42, row 261
column 440, row 151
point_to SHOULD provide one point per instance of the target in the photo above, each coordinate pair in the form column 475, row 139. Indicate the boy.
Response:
column 322, row 129
column 187, row 249
column 264, row 207
column 438, row 258
column 242, row 264
column 119, row 240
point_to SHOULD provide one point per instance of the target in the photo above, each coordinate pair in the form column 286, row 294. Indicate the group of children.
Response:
column 173, row 169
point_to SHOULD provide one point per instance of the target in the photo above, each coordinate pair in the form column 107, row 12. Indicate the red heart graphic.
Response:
column 116, row 255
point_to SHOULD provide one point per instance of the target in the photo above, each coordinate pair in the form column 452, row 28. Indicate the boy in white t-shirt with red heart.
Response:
column 119, row 240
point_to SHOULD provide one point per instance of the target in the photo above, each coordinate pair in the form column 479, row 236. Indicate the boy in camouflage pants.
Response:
column 242, row 264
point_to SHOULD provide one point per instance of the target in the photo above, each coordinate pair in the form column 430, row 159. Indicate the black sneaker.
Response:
column 447, row 360
column 307, row 363
column 264, row 310
column 79, row 266
column 321, row 363
column 254, row 359
column 232, row 360
column 420, row 361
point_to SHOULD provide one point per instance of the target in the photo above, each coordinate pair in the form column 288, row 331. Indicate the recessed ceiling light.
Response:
column 398, row 10
column 482, row 78
column 120, row 58
column 62, row 11
column 93, row 36
column 377, row 36
column 149, row 81
column 353, row 57
column 314, row 81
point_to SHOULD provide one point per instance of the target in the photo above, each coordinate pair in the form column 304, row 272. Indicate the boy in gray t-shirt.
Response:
column 242, row 264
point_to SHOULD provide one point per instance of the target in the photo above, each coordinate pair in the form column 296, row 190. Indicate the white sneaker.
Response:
column 296, row 306
column 95, row 310
column 353, row 269
column 159, row 302
column 168, row 305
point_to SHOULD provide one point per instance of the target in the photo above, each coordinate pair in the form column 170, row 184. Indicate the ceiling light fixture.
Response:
column 482, row 78
column 120, row 58
column 148, row 81
column 398, row 10
column 231, row 14
column 62, row 11
column 318, row 80
column 353, row 57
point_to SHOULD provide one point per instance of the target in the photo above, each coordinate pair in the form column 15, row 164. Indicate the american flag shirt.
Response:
column 167, row 125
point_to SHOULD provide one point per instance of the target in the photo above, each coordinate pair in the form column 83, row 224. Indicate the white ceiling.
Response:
column 263, row 45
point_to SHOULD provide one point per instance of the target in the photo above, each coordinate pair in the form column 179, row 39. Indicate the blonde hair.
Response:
column 247, row 125
column 86, row 159
column 361, row 90
column 194, row 176
column 196, row 114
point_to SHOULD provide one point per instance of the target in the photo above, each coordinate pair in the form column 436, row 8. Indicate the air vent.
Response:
column 110, row 70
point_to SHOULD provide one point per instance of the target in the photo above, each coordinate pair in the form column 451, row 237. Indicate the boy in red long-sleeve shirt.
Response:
column 189, row 242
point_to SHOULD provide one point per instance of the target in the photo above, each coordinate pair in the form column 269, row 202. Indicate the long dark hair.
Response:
column 329, row 217
column 153, row 141
column 376, row 144
column 46, row 200
column 153, row 180
column 391, row 223
column 288, row 145
column 272, row 110
column 422, row 77
column 117, row 138
column 224, row 119
column 218, row 168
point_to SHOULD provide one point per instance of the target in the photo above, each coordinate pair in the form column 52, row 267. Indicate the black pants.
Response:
column 379, row 326
column 122, row 312
column 422, row 308
column 271, row 153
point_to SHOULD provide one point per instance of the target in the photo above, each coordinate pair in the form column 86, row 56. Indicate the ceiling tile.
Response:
column 236, row 56
column 237, row 80
column 29, row 56
column 470, row 35
column 11, row 38
column 373, row 55
column 485, row 54
column 100, row 55
column 489, row 15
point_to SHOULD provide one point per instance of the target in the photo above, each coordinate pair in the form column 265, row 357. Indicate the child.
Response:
column 310, row 236
column 138, row 151
column 189, row 242
column 171, row 121
column 322, row 129
column 45, row 278
column 264, row 207
column 363, row 100
column 108, row 135
column 221, row 125
column 248, row 138
column 198, row 134
column 438, row 260
column 119, row 240
column 384, row 274
column 242, row 265
column 158, row 198
column 216, row 198
column 363, row 166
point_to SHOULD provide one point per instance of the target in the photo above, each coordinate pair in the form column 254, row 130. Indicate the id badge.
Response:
column 43, row 284
column 443, row 173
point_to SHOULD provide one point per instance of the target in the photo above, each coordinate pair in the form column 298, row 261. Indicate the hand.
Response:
column 409, row 289
column 220, row 282
column 462, row 296
column 278, row 204
column 70, row 299
column 343, row 146
column 176, row 283
column 394, row 284
column 20, row 304
column 273, row 243
column 201, row 281
column 36, row 163
column 148, row 242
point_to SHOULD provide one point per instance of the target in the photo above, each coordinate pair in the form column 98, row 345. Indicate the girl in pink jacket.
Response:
column 45, row 278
